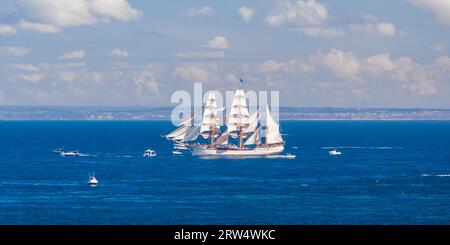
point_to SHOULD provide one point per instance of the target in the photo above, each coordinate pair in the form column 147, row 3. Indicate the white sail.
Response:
column 179, row 132
column 238, row 117
column 191, row 134
column 252, row 123
column 273, row 135
column 223, row 139
column 210, row 119
column 255, row 138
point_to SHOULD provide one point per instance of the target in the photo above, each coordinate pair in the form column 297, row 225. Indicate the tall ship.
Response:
column 244, row 134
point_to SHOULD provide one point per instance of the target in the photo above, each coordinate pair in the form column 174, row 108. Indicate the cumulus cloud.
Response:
column 6, row 30
column 3, row 99
column 298, row 12
column 379, row 63
column 440, row 9
column 246, row 13
column 117, row 53
column 38, row 27
column 67, row 76
column 219, row 42
column 146, row 81
column 231, row 78
column 327, row 33
column 291, row 66
column 439, row 48
column 96, row 77
column 202, row 11
column 14, row 50
column 343, row 64
column 379, row 29
column 26, row 67
column 192, row 73
column 407, row 74
column 34, row 78
column 72, row 13
column 77, row 54
column 312, row 19
column 201, row 54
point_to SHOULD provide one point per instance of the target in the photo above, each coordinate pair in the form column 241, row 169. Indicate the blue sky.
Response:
column 316, row 53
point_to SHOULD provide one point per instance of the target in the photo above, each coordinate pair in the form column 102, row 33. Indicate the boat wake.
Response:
column 86, row 155
column 124, row 156
column 362, row 147
column 436, row 175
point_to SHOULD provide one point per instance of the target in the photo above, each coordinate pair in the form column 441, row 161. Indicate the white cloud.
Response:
column 117, row 53
column 343, row 64
column 439, row 48
column 34, row 78
column 202, row 11
column 231, row 78
column 77, row 54
column 408, row 75
column 219, row 42
column 327, row 33
column 246, row 13
column 96, row 77
column 269, row 66
column 42, row 28
column 201, row 54
column 192, row 73
column 78, row 12
column 380, row 63
column 26, row 67
column 67, row 76
column 379, row 29
column 295, row 67
column 146, row 81
column 440, row 8
column 14, row 50
column 3, row 99
column 298, row 12
column 6, row 30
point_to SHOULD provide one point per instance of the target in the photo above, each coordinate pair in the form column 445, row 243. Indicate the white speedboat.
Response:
column 334, row 152
column 92, row 180
column 290, row 156
column 70, row 153
column 149, row 153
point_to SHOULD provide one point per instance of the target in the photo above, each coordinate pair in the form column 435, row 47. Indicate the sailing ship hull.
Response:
column 258, row 151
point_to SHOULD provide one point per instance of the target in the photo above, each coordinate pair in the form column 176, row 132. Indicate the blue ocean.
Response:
column 390, row 172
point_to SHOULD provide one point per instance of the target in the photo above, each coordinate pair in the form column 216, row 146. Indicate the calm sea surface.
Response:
column 389, row 173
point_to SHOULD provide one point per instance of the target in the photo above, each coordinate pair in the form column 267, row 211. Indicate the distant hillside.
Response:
column 163, row 113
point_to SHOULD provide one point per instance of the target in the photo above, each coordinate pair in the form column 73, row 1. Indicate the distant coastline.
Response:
column 98, row 113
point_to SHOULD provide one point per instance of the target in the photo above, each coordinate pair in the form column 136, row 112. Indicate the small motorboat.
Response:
column 177, row 152
column 295, row 147
column 290, row 156
column 149, row 153
column 334, row 152
column 92, row 180
column 70, row 153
